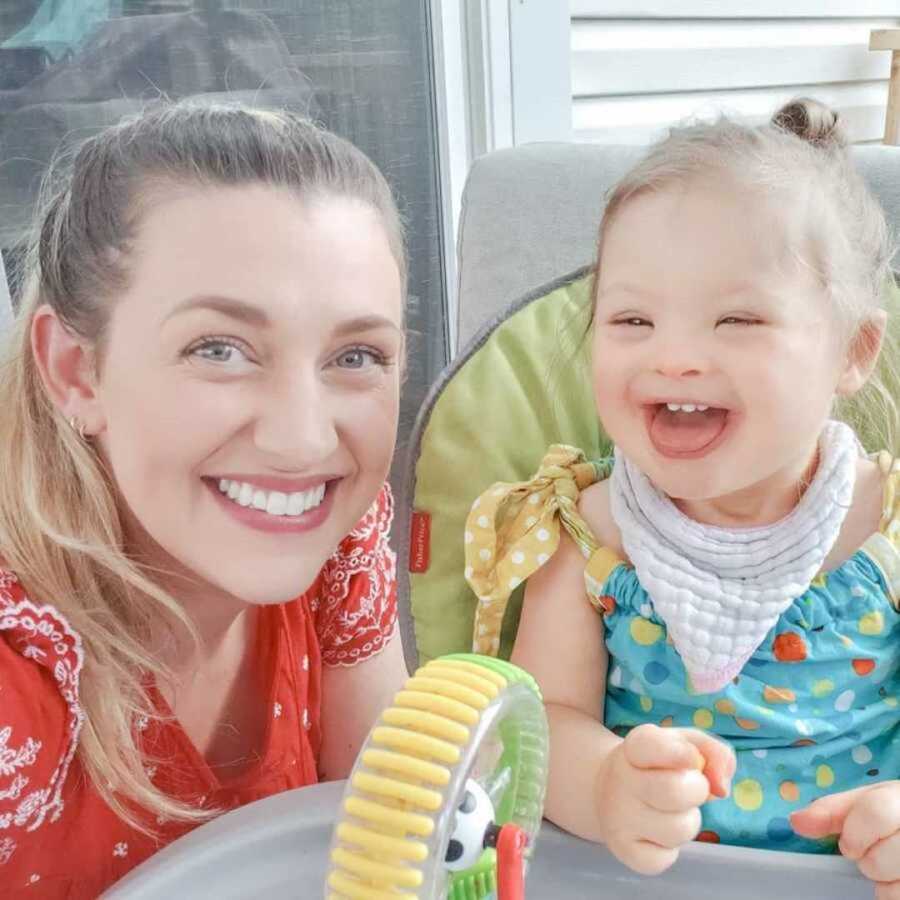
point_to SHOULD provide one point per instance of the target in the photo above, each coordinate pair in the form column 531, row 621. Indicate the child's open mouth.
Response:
column 685, row 430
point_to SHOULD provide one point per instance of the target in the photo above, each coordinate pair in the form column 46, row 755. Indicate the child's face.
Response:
column 701, row 302
column 258, row 344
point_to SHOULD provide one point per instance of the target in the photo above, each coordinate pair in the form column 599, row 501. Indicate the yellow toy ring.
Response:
column 458, row 717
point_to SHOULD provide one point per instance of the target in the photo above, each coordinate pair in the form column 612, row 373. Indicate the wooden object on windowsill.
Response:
column 889, row 39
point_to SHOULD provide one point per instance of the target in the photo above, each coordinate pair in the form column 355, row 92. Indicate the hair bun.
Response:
column 811, row 121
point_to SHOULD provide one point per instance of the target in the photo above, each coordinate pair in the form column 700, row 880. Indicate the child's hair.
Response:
column 60, row 527
column 800, row 156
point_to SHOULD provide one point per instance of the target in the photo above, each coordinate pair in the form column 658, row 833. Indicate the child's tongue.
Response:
column 685, row 432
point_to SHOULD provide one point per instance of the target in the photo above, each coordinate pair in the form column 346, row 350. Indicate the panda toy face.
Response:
column 474, row 815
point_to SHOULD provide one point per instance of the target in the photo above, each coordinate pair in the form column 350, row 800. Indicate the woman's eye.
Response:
column 634, row 322
column 219, row 351
column 359, row 358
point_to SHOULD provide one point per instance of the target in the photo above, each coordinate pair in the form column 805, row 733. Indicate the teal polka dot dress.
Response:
column 813, row 712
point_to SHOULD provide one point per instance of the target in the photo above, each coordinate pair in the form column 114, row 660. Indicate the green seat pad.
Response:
column 526, row 387
column 524, row 384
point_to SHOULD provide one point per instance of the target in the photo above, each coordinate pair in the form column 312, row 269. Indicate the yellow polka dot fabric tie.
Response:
column 890, row 521
column 513, row 529
column 884, row 547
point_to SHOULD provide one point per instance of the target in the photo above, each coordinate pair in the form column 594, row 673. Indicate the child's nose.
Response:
column 677, row 353
column 678, row 369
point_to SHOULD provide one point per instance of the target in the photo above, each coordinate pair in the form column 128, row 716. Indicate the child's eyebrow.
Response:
column 626, row 287
column 761, row 292
column 743, row 287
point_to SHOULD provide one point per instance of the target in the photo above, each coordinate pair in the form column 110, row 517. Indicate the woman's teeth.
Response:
column 275, row 503
column 686, row 407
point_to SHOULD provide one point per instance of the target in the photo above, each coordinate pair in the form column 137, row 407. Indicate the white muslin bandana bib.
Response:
column 718, row 590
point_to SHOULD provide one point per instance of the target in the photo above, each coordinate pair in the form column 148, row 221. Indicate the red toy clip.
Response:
column 511, row 844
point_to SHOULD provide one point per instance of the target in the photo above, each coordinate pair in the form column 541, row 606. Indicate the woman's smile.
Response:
column 276, row 505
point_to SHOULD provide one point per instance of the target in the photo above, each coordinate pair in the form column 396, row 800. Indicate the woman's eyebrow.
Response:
column 229, row 306
column 365, row 323
column 255, row 315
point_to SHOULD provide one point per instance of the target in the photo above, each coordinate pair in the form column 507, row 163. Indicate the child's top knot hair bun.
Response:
column 812, row 122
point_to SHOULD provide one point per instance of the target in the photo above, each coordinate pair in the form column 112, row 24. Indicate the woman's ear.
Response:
column 862, row 355
column 66, row 367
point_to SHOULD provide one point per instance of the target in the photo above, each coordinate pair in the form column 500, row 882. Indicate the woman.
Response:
column 197, row 415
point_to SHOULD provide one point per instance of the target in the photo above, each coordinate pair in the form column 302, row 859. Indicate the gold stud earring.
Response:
column 78, row 427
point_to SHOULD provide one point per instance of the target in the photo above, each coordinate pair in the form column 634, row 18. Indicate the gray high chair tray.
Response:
column 278, row 848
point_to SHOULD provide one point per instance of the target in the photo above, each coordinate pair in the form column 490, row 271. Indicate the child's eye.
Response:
column 738, row 320
column 360, row 358
column 634, row 322
column 223, row 351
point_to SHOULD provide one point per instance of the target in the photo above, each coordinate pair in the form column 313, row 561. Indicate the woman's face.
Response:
column 249, row 383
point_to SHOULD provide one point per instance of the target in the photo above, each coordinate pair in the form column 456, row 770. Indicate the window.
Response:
column 70, row 67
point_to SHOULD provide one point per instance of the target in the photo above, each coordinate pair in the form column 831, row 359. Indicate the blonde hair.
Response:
column 801, row 151
column 60, row 525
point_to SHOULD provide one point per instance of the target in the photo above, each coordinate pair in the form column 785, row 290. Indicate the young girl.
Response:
column 197, row 415
column 738, row 654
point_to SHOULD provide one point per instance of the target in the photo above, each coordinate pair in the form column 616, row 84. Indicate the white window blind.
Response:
column 641, row 65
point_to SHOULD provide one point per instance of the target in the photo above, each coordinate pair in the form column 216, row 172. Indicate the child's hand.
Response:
column 650, row 789
column 868, row 822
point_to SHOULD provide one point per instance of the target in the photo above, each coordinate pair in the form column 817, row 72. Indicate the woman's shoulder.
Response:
column 373, row 529
column 354, row 601
column 40, row 716
column 37, row 637
column 363, row 550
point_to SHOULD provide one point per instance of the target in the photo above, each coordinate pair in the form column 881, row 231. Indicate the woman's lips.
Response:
column 261, row 520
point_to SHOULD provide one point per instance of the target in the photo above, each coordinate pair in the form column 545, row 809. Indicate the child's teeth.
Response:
column 686, row 407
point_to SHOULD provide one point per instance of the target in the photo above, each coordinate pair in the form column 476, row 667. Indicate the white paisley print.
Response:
column 42, row 634
column 357, row 628
column 347, row 616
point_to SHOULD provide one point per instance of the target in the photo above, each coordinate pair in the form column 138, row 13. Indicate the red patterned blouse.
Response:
column 58, row 839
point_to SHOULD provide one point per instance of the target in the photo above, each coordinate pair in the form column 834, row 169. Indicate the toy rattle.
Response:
column 447, row 794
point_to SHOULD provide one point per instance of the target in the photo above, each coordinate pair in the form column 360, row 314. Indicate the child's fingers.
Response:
column 672, row 790
column 874, row 817
column 887, row 891
column 671, row 830
column 882, row 861
column 645, row 857
column 873, row 820
column 826, row 815
column 719, row 761
column 652, row 747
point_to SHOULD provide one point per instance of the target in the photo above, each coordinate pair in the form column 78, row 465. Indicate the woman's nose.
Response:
column 297, row 427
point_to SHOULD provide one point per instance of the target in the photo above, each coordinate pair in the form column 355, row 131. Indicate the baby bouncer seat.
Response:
column 517, row 385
